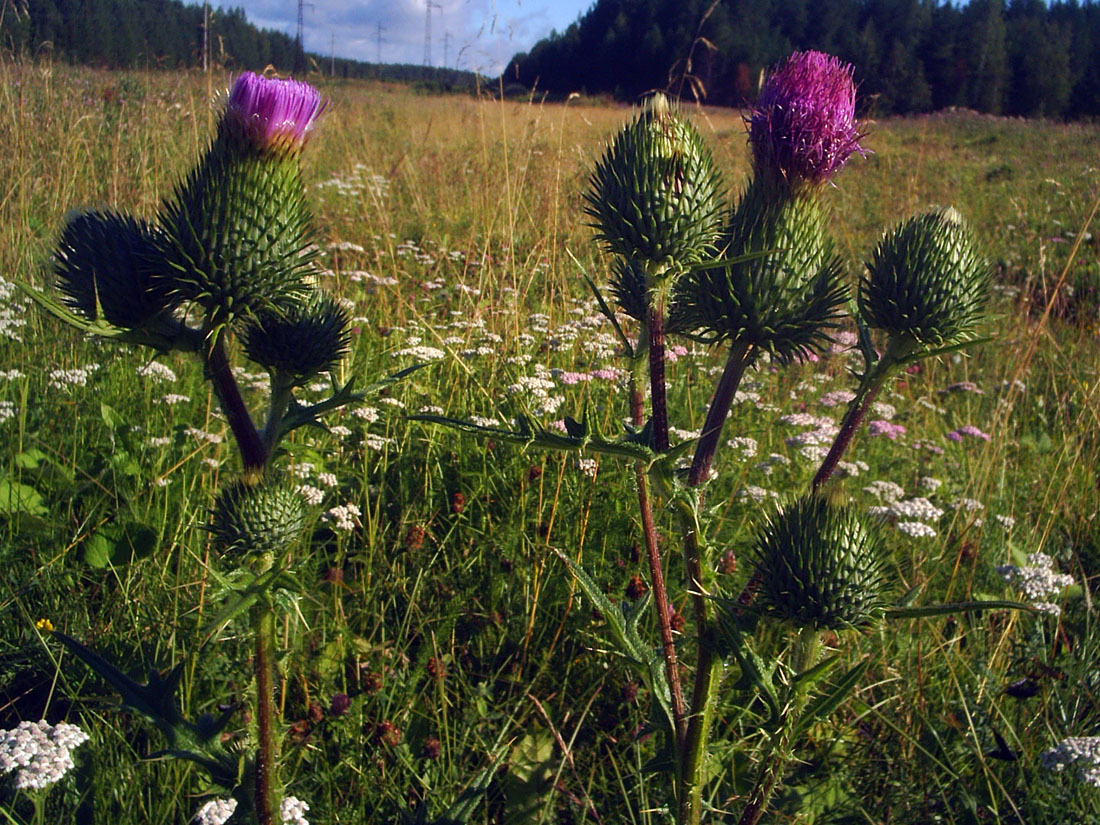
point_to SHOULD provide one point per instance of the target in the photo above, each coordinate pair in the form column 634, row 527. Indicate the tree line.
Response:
column 1024, row 57
column 133, row 34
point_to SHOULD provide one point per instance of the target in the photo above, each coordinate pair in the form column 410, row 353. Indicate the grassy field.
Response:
column 436, row 604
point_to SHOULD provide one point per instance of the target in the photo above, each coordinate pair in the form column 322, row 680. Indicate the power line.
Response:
column 428, row 31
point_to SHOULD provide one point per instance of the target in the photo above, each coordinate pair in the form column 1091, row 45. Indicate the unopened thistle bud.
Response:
column 257, row 518
column 105, row 262
column 300, row 340
column 803, row 128
column 238, row 230
column 820, row 566
column 926, row 284
column 783, row 302
column 654, row 196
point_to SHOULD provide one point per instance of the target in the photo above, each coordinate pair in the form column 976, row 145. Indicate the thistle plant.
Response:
column 764, row 279
column 229, row 253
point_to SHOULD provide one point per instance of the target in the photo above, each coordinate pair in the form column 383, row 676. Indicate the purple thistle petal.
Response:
column 274, row 112
column 803, row 127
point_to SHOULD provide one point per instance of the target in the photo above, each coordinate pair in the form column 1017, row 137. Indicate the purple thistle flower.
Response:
column 803, row 128
column 274, row 113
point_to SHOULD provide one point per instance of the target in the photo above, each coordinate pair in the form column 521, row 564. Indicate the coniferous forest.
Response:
column 1025, row 57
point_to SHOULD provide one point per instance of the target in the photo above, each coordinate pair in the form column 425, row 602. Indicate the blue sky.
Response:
column 475, row 34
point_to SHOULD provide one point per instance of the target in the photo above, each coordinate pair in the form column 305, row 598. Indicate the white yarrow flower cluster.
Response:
column 7, row 410
column 343, row 517
column 743, row 444
column 215, row 812
column 158, row 372
column 293, row 811
column 885, row 490
column 916, row 529
column 1084, row 751
column 588, row 466
column 917, row 509
column 41, row 753
column 1037, row 580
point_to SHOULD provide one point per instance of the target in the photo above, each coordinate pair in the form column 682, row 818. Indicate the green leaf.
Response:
column 114, row 545
column 815, row 674
column 20, row 499
column 623, row 624
column 530, row 777
column 463, row 808
column 954, row 607
column 605, row 310
column 823, row 706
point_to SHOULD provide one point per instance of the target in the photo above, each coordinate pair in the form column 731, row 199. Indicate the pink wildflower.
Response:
column 274, row 113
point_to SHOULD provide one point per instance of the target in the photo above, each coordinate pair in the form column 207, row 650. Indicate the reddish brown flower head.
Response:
column 803, row 128
column 388, row 733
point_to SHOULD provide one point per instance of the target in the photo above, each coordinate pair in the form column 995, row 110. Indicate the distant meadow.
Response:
column 437, row 635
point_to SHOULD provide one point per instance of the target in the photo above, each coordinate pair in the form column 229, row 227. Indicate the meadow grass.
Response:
column 456, row 224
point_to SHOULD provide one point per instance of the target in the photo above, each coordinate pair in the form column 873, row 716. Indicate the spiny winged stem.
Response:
column 253, row 451
column 873, row 380
column 707, row 665
column 653, row 553
column 267, row 788
column 806, row 649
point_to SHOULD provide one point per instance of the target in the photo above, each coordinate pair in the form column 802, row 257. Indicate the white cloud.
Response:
column 471, row 34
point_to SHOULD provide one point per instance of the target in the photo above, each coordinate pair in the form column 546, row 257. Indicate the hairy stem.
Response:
column 771, row 772
column 267, row 752
column 739, row 358
column 704, row 690
column 657, row 400
column 656, row 569
column 253, row 453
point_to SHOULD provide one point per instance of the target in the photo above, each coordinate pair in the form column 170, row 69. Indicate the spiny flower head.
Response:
column 654, row 196
column 820, row 566
column 273, row 113
column 803, row 128
column 926, row 283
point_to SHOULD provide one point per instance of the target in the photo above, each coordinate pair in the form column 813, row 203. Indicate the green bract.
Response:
column 257, row 518
column 783, row 302
column 820, row 566
column 238, row 231
column 654, row 196
column 926, row 281
column 300, row 340
column 105, row 261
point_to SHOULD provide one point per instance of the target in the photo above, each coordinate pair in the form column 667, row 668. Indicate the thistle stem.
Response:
column 704, row 690
column 267, row 752
column 873, row 380
column 281, row 394
column 739, row 358
column 657, row 400
column 253, row 453
column 806, row 649
column 857, row 411
column 656, row 567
